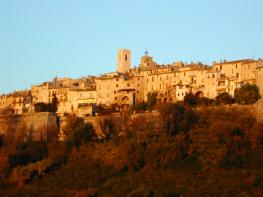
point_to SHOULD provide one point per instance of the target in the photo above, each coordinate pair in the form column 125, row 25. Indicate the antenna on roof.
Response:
column 252, row 57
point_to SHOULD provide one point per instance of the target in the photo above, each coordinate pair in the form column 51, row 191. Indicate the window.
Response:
column 126, row 57
column 220, row 67
column 117, row 85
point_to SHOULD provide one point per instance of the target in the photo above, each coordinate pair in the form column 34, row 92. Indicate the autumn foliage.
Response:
column 183, row 151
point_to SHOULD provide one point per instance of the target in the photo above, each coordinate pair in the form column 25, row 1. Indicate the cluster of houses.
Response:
column 128, row 85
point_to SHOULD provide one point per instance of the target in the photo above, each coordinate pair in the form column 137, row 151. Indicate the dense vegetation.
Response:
column 184, row 151
column 47, row 107
column 198, row 147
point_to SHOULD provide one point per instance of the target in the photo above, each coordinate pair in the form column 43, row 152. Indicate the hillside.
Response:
column 183, row 152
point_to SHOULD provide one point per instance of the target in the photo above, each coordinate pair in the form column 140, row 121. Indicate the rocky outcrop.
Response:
column 34, row 126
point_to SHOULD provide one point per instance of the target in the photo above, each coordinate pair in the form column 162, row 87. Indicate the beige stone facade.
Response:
column 128, row 86
column 259, row 76
column 120, row 89
column 124, row 60
column 173, row 81
column 19, row 101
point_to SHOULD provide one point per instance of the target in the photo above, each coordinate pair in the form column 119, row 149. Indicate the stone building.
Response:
column 124, row 60
column 259, row 76
column 128, row 86
column 174, row 81
column 19, row 101
column 120, row 89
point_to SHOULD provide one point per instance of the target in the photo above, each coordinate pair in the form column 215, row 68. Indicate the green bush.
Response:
column 82, row 135
column 247, row 94
column 152, row 99
column 191, row 99
column 1, row 140
column 140, row 107
column 177, row 118
column 224, row 98
column 27, row 152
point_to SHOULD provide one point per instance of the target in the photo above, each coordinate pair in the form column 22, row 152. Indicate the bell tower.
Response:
column 124, row 60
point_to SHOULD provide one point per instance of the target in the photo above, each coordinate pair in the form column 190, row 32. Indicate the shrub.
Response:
column 108, row 127
column 247, row 94
column 82, row 135
column 140, row 107
column 47, row 107
column 24, row 174
column 152, row 99
column 71, row 124
column 176, row 118
column 103, row 110
column 190, row 99
column 1, row 140
column 27, row 152
column 224, row 98
column 205, row 101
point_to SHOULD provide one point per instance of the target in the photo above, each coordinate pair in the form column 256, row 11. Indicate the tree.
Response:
column 247, row 94
column 27, row 152
column 1, row 140
column 82, row 135
column 152, row 99
column 54, row 104
column 47, row 107
column 205, row 101
column 177, row 118
column 224, row 98
column 190, row 100
column 41, row 107
column 141, row 106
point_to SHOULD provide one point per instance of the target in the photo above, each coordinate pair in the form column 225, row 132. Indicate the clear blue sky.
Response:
column 41, row 39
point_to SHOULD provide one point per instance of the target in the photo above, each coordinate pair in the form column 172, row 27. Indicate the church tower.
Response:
column 124, row 60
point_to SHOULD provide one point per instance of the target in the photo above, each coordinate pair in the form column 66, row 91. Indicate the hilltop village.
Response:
column 128, row 85
column 104, row 135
